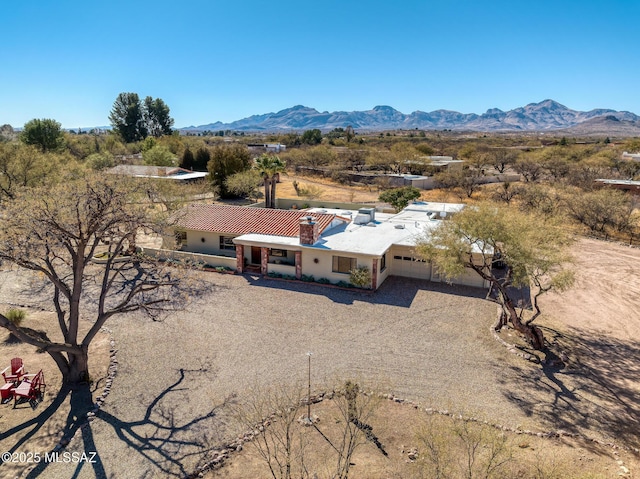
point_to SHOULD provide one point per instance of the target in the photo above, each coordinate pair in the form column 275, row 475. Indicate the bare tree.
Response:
column 462, row 449
column 501, row 158
column 56, row 233
column 271, row 417
column 356, row 410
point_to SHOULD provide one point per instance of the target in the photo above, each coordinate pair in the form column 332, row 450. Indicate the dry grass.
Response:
column 406, row 434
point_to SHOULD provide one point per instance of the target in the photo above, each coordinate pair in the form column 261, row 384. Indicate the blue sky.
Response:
column 212, row 60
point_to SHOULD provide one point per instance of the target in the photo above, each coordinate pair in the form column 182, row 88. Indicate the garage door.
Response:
column 405, row 264
column 470, row 278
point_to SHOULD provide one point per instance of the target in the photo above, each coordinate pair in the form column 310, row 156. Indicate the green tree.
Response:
column 399, row 198
column 127, row 117
column 225, row 161
column 534, row 252
column 23, row 166
column 602, row 211
column 157, row 120
column 187, row 161
column 269, row 167
column 311, row 137
column 55, row 232
column 245, row 184
column 466, row 182
column 202, row 159
column 159, row 156
column 45, row 134
column 100, row 161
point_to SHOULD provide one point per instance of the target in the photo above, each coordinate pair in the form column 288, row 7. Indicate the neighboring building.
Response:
column 326, row 244
column 445, row 163
column 160, row 172
column 631, row 156
column 625, row 185
column 267, row 147
column 417, row 181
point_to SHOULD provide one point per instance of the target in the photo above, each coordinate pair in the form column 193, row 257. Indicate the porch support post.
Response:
column 264, row 260
column 374, row 274
column 240, row 258
column 298, row 264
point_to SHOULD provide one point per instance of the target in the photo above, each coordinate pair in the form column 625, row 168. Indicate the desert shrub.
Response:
column 360, row 277
column 16, row 316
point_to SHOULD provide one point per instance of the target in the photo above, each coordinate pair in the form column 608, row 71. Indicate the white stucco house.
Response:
column 325, row 244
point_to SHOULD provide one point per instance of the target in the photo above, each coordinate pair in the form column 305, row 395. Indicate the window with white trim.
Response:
column 344, row 264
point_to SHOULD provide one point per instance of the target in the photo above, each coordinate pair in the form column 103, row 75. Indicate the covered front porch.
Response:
column 264, row 260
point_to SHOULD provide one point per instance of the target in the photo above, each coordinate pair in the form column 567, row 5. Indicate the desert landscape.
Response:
column 427, row 344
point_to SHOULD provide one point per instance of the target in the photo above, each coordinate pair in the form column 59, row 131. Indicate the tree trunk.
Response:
column 267, row 196
column 273, row 191
column 78, row 366
column 532, row 334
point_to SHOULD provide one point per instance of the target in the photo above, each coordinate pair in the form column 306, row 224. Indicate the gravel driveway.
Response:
column 177, row 378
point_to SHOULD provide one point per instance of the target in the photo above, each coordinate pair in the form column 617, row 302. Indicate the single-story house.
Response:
column 325, row 244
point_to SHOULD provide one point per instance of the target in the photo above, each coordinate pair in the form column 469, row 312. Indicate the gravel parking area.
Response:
column 178, row 379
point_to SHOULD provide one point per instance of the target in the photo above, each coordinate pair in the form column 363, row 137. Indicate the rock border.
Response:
column 226, row 451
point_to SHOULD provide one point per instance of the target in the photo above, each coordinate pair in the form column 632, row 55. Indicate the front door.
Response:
column 255, row 254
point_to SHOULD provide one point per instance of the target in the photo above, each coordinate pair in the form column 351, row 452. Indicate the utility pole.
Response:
column 309, row 391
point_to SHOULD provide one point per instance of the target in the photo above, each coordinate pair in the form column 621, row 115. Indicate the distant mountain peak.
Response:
column 552, row 104
column 383, row 108
column 543, row 116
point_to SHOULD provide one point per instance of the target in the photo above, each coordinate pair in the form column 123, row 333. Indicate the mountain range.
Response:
column 547, row 115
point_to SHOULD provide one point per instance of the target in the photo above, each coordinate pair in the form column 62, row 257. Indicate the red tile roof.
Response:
column 243, row 219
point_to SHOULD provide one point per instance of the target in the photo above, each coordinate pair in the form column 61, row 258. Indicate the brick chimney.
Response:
column 308, row 230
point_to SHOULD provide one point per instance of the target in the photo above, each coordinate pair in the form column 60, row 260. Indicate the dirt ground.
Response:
column 606, row 296
column 400, row 429
column 40, row 425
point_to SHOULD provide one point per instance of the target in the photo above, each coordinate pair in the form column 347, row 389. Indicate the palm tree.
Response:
column 269, row 166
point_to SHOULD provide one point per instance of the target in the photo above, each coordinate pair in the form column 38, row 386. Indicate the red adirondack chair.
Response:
column 17, row 371
column 32, row 388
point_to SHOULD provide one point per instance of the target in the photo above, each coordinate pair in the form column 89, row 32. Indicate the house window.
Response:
column 383, row 262
column 282, row 253
column 343, row 264
column 226, row 242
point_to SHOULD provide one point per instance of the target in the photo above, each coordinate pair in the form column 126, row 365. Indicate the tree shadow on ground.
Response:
column 158, row 436
column 395, row 291
column 592, row 392
column 30, row 428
